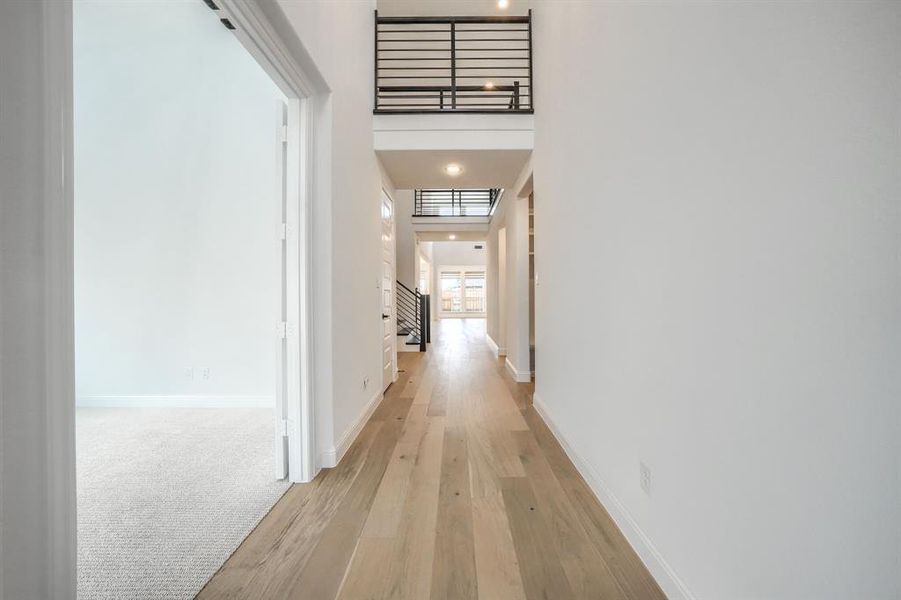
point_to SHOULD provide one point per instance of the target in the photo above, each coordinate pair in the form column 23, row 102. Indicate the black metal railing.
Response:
column 413, row 316
column 453, row 64
column 456, row 203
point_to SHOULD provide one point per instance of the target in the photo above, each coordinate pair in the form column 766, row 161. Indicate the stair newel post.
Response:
column 428, row 318
column 416, row 306
column 422, row 326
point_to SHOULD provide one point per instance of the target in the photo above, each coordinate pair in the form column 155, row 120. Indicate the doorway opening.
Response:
column 389, row 314
column 186, row 294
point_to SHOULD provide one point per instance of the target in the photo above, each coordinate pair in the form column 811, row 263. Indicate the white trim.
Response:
column 176, row 401
column 59, row 299
column 331, row 457
column 666, row 577
column 518, row 376
column 259, row 28
column 495, row 349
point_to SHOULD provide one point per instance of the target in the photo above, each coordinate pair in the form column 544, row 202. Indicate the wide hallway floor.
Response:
column 454, row 489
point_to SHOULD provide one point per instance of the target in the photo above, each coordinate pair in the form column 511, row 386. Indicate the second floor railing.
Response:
column 453, row 64
column 455, row 203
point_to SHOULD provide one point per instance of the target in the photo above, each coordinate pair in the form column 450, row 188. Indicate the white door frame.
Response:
column 392, row 317
column 257, row 27
column 256, row 33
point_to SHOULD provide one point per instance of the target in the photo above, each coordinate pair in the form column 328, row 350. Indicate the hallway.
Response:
column 455, row 488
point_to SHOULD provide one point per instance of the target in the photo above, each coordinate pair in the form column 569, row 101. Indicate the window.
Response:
column 474, row 284
column 462, row 291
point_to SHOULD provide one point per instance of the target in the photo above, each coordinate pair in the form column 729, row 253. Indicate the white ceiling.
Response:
column 449, row 8
column 413, row 169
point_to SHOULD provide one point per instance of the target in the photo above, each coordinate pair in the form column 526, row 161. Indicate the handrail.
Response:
column 461, row 19
column 471, row 64
column 408, row 289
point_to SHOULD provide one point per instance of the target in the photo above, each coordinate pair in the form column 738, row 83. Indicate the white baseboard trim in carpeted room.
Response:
column 165, row 495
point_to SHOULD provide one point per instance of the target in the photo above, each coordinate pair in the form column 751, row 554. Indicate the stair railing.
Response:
column 413, row 315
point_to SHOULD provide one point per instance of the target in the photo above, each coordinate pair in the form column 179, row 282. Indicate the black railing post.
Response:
column 375, row 77
column 417, row 304
column 531, row 81
column 422, row 310
column 453, row 41
column 515, row 95
column 428, row 318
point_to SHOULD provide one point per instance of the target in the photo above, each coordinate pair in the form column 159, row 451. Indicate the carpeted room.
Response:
column 177, row 288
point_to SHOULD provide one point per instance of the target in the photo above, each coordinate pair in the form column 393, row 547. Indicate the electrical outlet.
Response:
column 189, row 373
column 365, row 382
column 206, row 373
column 645, row 477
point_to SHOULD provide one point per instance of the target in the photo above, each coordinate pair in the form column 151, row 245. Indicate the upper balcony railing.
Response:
column 453, row 64
column 455, row 203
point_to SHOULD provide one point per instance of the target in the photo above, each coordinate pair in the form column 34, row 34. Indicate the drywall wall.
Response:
column 508, row 298
column 404, row 8
column 407, row 254
column 37, row 476
column 492, row 285
column 347, row 228
column 176, row 201
column 516, row 295
column 720, row 295
column 458, row 253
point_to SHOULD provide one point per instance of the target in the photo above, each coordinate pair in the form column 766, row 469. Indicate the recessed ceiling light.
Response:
column 451, row 237
column 502, row 4
column 453, row 169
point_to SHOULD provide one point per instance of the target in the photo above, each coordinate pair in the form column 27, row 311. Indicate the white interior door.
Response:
column 281, row 336
column 389, row 321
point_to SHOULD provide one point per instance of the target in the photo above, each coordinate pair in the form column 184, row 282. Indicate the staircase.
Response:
column 413, row 317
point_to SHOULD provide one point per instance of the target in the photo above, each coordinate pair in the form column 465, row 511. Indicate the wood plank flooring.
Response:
column 455, row 489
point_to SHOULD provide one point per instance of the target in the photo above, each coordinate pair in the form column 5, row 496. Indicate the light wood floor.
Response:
column 454, row 489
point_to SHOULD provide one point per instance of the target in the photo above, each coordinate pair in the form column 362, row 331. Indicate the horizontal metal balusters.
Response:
column 412, row 311
column 455, row 203
column 453, row 64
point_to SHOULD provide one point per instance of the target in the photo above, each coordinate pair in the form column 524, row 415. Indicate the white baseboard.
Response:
column 497, row 350
column 518, row 375
column 175, row 401
column 331, row 458
column 671, row 584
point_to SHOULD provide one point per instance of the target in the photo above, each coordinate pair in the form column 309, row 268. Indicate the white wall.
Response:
column 407, row 252
column 516, row 294
column 720, row 294
column 347, row 226
column 177, row 200
column 508, row 298
column 425, row 252
column 458, row 253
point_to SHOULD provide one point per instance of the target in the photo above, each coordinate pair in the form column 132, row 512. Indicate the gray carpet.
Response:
column 166, row 495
